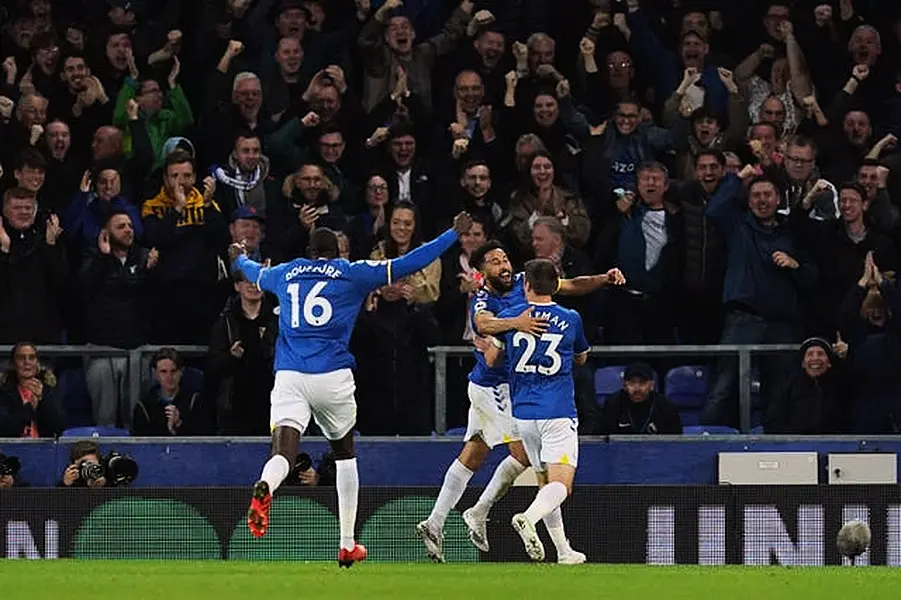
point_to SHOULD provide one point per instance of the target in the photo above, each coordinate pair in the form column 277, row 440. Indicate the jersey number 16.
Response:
column 553, row 342
column 317, row 310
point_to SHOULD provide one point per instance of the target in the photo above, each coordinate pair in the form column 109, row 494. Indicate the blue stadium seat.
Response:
column 607, row 381
column 687, row 386
column 709, row 430
column 95, row 432
column 456, row 431
column 73, row 391
column 758, row 430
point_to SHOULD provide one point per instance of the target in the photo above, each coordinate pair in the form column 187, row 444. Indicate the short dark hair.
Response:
column 477, row 259
column 178, row 157
column 542, row 276
column 472, row 164
column 167, row 354
column 19, row 193
column 245, row 133
column 854, row 186
column 81, row 449
column 717, row 155
column 653, row 166
column 323, row 244
column 764, row 179
column 31, row 158
column 802, row 141
column 114, row 212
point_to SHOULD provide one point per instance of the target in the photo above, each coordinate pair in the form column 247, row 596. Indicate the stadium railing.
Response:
column 439, row 356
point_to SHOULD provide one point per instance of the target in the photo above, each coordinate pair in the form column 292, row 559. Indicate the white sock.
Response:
column 554, row 523
column 548, row 498
column 504, row 476
column 274, row 472
column 347, row 480
column 455, row 481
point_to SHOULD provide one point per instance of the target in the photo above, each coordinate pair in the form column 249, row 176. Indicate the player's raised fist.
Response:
column 615, row 277
column 462, row 223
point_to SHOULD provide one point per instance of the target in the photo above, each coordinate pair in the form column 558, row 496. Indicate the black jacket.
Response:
column 149, row 417
column 656, row 415
column 811, row 406
column 115, row 293
column 34, row 278
column 49, row 416
column 703, row 252
column 241, row 386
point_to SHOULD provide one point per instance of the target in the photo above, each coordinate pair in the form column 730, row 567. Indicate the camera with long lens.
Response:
column 9, row 465
column 118, row 469
column 121, row 469
column 90, row 471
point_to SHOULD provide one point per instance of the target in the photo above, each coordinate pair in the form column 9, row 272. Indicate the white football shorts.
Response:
column 491, row 415
column 550, row 441
column 328, row 397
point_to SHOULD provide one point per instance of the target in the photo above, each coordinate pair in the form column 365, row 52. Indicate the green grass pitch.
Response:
column 231, row 580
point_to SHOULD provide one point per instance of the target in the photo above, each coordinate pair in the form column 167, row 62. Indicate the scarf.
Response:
column 31, row 429
column 248, row 190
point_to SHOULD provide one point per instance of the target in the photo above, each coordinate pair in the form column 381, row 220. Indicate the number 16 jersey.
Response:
column 319, row 301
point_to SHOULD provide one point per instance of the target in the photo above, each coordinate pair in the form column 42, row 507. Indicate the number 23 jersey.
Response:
column 539, row 368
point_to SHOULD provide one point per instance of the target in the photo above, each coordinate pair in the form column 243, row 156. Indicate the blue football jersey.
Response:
column 319, row 301
column 486, row 300
column 540, row 368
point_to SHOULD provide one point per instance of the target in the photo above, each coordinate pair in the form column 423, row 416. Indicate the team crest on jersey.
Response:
column 262, row 331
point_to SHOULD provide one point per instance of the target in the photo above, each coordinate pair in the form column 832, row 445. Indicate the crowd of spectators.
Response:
column 735, row 159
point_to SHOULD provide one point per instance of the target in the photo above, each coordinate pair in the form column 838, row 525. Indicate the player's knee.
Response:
column 343, row 449
column 518, row 452
column 474, row 453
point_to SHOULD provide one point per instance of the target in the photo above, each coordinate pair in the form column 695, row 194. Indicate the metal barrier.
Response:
column 135, row 357
column 440, row 354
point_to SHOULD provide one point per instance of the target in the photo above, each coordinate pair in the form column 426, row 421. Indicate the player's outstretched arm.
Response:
column 487, row 324
column 580, row 286
column 426, row 254
column 252, row 270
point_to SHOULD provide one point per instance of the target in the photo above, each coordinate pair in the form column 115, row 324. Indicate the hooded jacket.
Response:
column 189, row 242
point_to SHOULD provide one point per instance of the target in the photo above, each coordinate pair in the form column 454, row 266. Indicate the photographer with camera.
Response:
column 305, row 473
column 88, row 468
column 9, row 472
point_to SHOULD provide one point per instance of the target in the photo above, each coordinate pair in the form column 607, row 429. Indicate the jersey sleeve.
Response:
column 580, row 343
column 368, row 275
column 265, row 278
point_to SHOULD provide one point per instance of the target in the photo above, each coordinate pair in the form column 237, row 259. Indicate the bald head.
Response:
column 108, row 143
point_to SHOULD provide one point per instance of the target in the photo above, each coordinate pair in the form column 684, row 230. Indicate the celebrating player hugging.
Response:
column 490, row 419
column 539, row 369
column 319, row 299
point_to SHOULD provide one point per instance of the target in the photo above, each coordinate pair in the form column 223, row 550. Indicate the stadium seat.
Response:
column 687, row 386
column 73, row 391
column 95, row 432
column 456, row 431
column 758, row 430
column 709, row 430
column 607, row 381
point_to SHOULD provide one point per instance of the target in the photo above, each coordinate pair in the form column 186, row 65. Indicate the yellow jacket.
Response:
column 160, row 205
